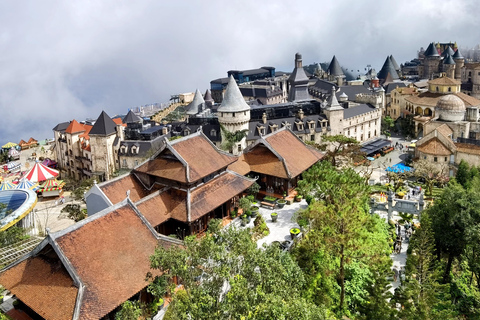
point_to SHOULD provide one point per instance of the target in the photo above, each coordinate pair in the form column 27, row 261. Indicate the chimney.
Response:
column 264, row 118
column 298, row 60
column 300, row 114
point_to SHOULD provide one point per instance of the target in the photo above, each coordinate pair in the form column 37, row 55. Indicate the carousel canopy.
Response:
column 40, row 173
column 51, row 185
column 9, row 145
column 27, row 184
column 13, row 152
column 12, row 165
column 6, row 186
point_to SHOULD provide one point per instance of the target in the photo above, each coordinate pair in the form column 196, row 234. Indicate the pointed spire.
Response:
column 197, row 105
column 448, row 51
column 333, row 102
column 103, row 126
column 431, row 51
column 233, row 100
column 394, row 62
column 458, row 55
column 386, row 69
column 131, row 118
column 208, row 96
column 334, row 68
column 448, row 59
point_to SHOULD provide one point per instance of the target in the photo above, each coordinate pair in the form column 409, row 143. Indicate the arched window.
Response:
column 449, row 89
column 436, row 89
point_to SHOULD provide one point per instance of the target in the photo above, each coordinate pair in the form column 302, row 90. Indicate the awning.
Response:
column 374, row 146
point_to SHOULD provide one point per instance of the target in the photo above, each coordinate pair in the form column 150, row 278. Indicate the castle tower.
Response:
column 335, row 72
column 388, row 68
column 459, row 63
column 197, row 105
column 102, row 137
column 396, row 66
column 449, row 66
column 334, row 113
column 234, row 114
column 431, row 62
column 298, row 82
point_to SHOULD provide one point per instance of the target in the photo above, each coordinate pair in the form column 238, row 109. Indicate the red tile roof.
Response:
column 434, row 147
column 214, row 193
column 263, row 160
column 115, row 190
column 74, row 127
column 163, row 206
column 171, row 169
column 110, row 254
column 44, row 286
column 201, row 156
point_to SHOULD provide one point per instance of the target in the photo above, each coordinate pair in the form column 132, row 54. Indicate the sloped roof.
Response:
column 458, row 55
column 444, row 81
column 188, row 159
column 215, row 192
column 468, row 148
column 197, row 105
column 444, row 130
column 394, row 62
column 431, row 51
column 262, row 160
column 104, row 125
column 233, row 100
column 387, row 68
column 116, row 189
column 106, row 255
column 334, row 68
column 131, row 117
column 448, row 59
column 44, row 285
column 111, row 257
column 62, row 126
column 208, row 96
column 434, row 147
column 163, row 205
column 448, row 51
column 74, row 127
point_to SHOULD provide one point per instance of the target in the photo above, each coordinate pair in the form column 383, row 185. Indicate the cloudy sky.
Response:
column 64, row 60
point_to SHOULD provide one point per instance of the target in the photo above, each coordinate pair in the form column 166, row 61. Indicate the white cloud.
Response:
column 61, row 60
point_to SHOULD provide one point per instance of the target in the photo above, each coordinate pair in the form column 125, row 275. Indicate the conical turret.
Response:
column 197, row 105
column 233, row 100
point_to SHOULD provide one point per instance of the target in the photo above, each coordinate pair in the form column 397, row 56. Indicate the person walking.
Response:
column 395, row 273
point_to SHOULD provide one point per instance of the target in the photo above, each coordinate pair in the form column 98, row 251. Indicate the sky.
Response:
column 64, row 60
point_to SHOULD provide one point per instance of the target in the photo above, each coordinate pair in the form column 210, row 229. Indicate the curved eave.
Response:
column 21, row 212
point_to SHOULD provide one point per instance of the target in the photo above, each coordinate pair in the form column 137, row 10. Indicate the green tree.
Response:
column 463, row 172
column 387, row 124
column 226, row 276
column 422, row 296
column 342, row 235
column 453, row 213
column 340, row 146
column 430, row 173
column 130, row 310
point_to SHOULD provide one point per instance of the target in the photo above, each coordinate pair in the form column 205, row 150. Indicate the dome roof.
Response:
column 450, row 108
column 451, row 103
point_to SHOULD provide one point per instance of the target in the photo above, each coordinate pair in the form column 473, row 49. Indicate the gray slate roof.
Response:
column 197, row 105
column 334, row 68
column 208, row 96
column 387, row 68
column 103, row 126
column 449, row 51
column 131, row 118
column 448, row 59
column 233, row 100
column 431, row 51
column 393, row 85
column 394, row 62
column 458, row 55
column 357, row 110
column 62, row 126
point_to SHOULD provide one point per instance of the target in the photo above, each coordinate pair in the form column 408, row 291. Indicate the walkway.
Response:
column 279, row 230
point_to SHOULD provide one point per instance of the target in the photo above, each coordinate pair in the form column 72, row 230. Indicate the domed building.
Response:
column 450, row 108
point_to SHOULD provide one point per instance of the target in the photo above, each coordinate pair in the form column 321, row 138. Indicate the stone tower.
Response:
column 234, row 114
column 431, row 62
column 298, row 81
column 335, row 72
column 449, row 66
column 459, row 63
column 334, row 113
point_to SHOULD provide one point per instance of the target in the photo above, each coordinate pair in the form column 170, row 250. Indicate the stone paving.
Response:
column 279, row 230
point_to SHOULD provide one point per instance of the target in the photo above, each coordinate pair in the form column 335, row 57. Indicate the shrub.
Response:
column 74, row 212
column 251, row 198
column 309, row 199
column 260, row 228
column 244, row 204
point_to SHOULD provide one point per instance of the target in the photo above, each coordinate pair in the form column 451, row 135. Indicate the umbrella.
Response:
column 13, row 152
column 40, row 173
column 9, row 145
column 27, row 184
column 6, row 186
column 51, row 185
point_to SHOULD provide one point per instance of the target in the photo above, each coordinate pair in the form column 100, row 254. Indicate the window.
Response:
column 312, row 137
column 239, row 147
column 233, row 114
column 446, row 159
column 213, row 133
column 425, row 157
column 124, row 163
column 449, row 89
column 348, row 132
column 435, row 159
